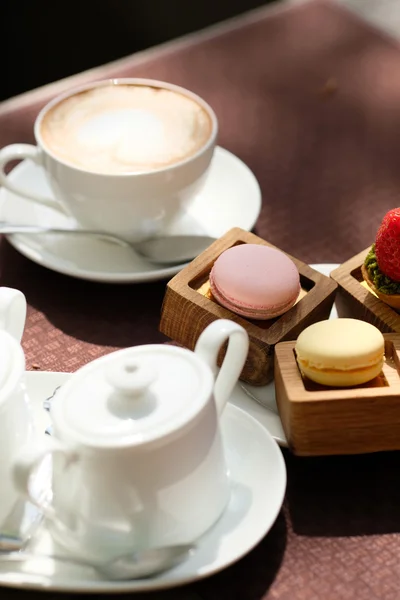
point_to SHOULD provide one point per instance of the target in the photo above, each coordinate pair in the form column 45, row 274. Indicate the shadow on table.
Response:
column 344, row 495
column 115, row 315
column 252, row 576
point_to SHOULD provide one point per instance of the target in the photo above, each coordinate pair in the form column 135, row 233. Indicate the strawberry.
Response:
column 387, row 245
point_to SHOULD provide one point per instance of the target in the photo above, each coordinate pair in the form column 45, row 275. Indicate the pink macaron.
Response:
column 255, row 281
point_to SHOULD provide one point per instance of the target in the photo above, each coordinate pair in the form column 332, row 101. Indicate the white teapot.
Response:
column 138, row 459
column 16, row 420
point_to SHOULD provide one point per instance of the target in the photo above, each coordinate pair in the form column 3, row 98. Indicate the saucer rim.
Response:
column 83, row 585
column 51, row 262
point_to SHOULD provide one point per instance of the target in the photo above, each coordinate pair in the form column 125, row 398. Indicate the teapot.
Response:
column 138, row 456
column 16, row 419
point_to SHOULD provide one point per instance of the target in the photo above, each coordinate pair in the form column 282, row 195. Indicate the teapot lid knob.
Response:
column 130, row 378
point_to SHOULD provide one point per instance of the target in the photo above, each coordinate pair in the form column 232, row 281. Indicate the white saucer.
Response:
column 258, row 475
column 259, row 402
column 230, row 197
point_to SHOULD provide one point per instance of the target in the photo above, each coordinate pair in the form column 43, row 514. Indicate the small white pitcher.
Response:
column 16, row 422
column 138, row 459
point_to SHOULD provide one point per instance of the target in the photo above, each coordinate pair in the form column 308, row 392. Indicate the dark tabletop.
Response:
column 309, row 97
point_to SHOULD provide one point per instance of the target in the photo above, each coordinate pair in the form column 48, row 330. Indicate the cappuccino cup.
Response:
column 123, row 156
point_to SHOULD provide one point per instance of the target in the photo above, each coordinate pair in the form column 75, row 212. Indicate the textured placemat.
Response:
column 309, row 98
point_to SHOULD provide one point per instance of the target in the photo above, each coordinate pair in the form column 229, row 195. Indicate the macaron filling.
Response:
column 341, row 378
column 319, row 366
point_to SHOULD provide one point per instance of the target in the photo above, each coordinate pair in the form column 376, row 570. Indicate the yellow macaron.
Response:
column 340, row 352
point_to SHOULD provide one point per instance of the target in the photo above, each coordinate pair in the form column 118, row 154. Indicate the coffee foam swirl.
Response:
column 125, row 128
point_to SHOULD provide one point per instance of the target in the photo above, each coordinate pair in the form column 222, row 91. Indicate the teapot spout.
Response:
column 12, row 312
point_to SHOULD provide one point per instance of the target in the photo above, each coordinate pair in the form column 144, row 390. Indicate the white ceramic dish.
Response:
column 258, row 476
column 114, row 199
column 230, row 197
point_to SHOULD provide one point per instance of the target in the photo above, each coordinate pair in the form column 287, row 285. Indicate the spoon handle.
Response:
column 137, row 565
column 161, row 250
column 23, row 557
column 7, row 229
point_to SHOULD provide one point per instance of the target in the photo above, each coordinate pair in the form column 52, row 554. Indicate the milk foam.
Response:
column 125, row 128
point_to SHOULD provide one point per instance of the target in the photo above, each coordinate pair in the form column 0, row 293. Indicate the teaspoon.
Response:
column 136, row 565
column 162, row 250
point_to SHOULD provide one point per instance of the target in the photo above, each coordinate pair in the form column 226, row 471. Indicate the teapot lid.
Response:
column 132, row 396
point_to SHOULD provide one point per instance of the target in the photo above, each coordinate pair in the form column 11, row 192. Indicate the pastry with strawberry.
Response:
column 381, row 268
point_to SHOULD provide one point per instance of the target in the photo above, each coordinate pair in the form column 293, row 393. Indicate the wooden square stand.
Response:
column 188, row 307
column 355, row 299
column 319, row 420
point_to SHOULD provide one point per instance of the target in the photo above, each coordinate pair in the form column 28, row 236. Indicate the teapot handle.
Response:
column 207, row 348
column 12, row 312
column 30, row 459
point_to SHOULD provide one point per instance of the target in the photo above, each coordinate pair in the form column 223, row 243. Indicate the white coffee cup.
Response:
column 149, row 166
column 138, row 455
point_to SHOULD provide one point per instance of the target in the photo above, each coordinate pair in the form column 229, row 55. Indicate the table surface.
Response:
column 327, row 163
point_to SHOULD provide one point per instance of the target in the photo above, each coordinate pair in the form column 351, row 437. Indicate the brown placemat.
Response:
column 308, row 96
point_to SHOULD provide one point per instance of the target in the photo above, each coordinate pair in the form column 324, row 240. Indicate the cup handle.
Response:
column 207, row 348
column 19, row 152
column 28, row 461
